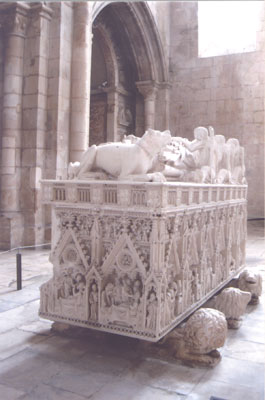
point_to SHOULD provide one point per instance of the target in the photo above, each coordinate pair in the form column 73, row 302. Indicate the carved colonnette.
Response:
column 138, row 258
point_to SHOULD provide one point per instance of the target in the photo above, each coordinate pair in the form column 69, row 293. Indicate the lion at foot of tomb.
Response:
column 196, row 341
column 123, row 161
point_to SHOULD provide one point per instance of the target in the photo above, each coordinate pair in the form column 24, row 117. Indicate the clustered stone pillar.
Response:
column 13, row 22
column 148, row 90
column 81, row 67
column 34, row 122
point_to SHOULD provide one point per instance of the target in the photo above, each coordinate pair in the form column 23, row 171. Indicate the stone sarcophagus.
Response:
column 136, row 258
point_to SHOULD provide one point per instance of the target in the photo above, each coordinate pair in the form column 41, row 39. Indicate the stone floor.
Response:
column 37, row 363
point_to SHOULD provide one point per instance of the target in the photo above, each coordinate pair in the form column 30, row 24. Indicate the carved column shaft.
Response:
column 35, row 121
column 81, row 68
column 13, row 24
column 148, row 91
column 112, row 115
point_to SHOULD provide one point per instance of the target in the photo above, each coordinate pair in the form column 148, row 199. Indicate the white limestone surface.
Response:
column 137, row 258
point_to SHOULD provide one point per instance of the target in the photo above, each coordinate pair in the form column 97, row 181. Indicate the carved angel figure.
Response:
column 190, row 160
column 209, row 158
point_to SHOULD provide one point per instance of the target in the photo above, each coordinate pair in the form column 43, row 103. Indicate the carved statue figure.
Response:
column 232, row 302
column 249, row 281
column 128, row 160
column 108, row 295
column 136, row 298
column 80, row 284
column 66, row 284
column 206, row 159
column 191, row 160
column 157, row 156
column 151, row 311
column 93, row 302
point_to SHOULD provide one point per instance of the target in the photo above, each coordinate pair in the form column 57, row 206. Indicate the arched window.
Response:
column 228, row 27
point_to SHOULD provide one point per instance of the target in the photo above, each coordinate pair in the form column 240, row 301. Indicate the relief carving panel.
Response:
column 139, row 270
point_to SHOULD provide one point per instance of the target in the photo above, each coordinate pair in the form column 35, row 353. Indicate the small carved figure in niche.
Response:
column 126, row 289
column 66, row 288
column 93, row 302
column 80, row 284
column 136, row 299
column 46, row 289
column 151, row 310
column 126, row 260
column 194, row 284
column 169, row 306
column 125, row 116
column 108, row 295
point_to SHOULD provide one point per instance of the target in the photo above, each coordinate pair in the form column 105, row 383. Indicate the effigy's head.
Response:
column 201, row 133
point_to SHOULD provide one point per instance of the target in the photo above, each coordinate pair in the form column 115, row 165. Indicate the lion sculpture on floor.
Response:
column 127, row 160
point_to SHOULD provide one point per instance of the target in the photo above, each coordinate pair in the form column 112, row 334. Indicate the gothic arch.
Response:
column 141, row 31
column 136, row 91
column 109, row 54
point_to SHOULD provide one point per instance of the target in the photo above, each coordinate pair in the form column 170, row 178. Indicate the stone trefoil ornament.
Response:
column 134, row 253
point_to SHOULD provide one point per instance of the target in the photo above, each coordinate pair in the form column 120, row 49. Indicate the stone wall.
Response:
column 226, row 92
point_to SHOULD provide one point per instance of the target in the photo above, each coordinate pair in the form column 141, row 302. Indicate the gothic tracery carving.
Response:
column 136, row 269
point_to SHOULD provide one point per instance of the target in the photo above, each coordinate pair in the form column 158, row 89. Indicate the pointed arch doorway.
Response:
column 128, row 73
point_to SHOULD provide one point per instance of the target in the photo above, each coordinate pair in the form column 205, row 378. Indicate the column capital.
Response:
column 148, row 89
column 14, row 18
column 165, row 85
column 42, row 9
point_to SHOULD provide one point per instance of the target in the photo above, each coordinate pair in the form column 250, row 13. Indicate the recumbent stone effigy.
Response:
column 144, row 231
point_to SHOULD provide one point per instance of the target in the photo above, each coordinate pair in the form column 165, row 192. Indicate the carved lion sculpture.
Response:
column 249, row 281
column 122, row 160
column 232, row 302
column 197, row 340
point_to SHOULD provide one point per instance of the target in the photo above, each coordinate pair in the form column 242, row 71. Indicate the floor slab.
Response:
column 38, row 363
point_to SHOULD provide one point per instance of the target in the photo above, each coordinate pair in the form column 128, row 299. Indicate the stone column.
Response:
column 166, row 89
column 80, row 77
column 13, row 21
column 35, row 122
column 148, row 90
